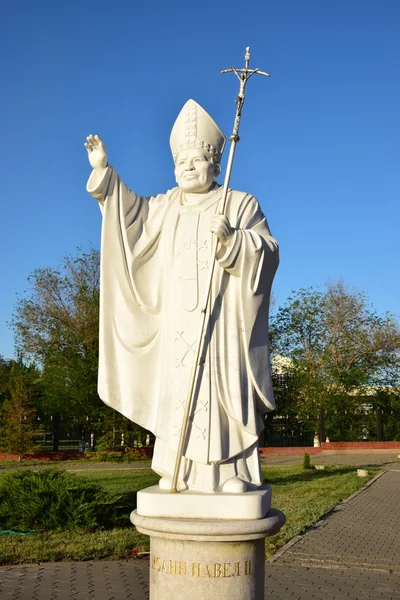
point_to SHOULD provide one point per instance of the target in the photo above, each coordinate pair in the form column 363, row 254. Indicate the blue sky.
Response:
column 319, row 140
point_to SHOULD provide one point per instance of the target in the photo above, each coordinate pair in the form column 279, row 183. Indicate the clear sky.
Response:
column 319, row 140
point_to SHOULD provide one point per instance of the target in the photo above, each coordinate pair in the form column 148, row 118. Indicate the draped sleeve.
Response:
column 242, row 295
column 130, row 297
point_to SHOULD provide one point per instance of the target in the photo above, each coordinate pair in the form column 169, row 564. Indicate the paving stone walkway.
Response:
column 305, row 583
column 102, row 580
column 352, row 554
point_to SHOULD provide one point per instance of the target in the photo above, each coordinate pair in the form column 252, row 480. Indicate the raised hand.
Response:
column 222, row 229
column 96, row 152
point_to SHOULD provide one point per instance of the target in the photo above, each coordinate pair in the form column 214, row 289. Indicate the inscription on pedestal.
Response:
column 183, row 568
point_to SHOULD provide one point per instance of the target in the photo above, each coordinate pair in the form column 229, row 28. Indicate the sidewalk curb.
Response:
column 370, row 482
column 320, row 523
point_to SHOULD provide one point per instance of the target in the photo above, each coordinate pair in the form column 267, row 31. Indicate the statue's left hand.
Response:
column 222, row 229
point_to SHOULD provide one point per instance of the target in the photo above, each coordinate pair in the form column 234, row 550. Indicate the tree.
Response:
column 362, row 347
column 18, row 415
column 338, row 347
column 56, row 325
column 118, row 431
column 4, row 377
column 297, row 333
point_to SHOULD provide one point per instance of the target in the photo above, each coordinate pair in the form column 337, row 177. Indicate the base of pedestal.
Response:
column 198, row 558
column 153, row 502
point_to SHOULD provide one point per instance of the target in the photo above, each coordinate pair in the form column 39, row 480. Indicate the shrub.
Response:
column 51, row 499
column 307, row 461
column 125, row 456
column 132, row 454
column 110, row 457
column 106, row 442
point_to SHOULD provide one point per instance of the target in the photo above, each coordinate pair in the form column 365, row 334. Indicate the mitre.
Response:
column 194, row 128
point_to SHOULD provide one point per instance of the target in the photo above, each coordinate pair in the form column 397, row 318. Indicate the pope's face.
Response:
column 194, row 171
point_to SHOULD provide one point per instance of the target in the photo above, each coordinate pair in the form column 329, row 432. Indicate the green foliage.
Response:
column 4, row 378
column 304, row 496
column 336, row 349
column 113, row 457
column 132, row 455
column 306, row 461
column 340, row 355
column 51, row 499
column 107, row 442
column 117, row 431
column 56, row 324
column 18, row 429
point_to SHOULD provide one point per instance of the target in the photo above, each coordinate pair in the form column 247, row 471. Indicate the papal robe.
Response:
column 155, row 259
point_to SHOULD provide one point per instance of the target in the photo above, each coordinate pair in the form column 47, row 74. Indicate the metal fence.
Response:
column 366, row 424
column 284, row 431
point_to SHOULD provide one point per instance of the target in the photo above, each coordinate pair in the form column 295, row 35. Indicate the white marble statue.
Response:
column 155, row 254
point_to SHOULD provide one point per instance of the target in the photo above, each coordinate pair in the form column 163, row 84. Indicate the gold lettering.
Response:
column 172, row 567
column 156, row 563
column 196, row 570
column 176, row 567
column 208, row 572
column 180, row 568
column 247, row 567
column 217, row 570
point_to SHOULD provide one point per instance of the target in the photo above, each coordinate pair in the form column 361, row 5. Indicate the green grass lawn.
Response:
column 303, row 495
column 306, row 495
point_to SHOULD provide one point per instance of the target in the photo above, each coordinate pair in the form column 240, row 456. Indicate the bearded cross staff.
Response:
column 243, row 76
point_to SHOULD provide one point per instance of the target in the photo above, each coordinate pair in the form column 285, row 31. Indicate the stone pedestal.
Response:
column 153, row 502
column 202, row 558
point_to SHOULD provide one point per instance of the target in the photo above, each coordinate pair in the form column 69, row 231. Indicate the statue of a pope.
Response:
column 155, row 254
